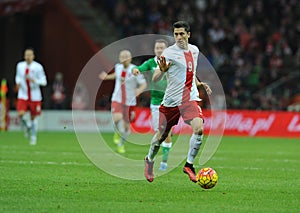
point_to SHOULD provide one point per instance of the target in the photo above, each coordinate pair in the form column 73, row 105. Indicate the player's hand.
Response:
column 162, row 63
column 17, row 87
column 206, row 87
column 102, row 75
column 30, row 79
column 135, row 71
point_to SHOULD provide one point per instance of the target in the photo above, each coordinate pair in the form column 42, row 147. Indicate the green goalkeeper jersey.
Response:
column 157, row 88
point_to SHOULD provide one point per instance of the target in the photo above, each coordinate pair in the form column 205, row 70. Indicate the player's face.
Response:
column 125, row 58
column 28, row 56
column 159, row 47
column 181, row 37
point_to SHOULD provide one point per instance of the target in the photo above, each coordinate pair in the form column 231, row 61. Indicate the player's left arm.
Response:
column 204, row 85
column 201, row 84
column 142, row 85
column 40, row 77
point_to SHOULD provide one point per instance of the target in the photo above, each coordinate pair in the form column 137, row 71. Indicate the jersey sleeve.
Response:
column 145, row 66
column 18, row 77
column 40, row 78
column 140, row 79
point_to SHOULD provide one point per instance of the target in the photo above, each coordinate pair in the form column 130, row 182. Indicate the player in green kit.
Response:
column 157, row 93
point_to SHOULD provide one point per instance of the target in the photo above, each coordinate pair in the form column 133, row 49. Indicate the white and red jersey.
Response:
column 30, row 90
column 181, row 86
column 126, row 84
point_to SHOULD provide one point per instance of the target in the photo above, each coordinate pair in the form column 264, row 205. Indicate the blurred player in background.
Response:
column 179, row 63
column 157, row 93
column 58, row 96
column 127, row 88
column 30, row 76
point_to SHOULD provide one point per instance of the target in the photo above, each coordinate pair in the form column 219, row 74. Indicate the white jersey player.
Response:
column 179, row 62
column 158, row 88
column 125, row 85
column 127, row 88
column 181, row 85
column 29, row 77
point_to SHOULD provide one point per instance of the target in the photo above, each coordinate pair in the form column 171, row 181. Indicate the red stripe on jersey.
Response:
column 189, row 76
column 123, row 88
column 28, row 84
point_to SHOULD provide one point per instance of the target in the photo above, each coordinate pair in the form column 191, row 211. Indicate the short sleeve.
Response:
column 18, row 77
column 140, row 79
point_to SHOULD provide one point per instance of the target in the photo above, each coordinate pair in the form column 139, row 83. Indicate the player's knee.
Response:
column 197, row 125
column 127, row 127
column 21, row 113
column 163, row 137
column 198, row 131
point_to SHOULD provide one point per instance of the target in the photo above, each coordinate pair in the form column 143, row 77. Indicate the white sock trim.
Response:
column 167, row 145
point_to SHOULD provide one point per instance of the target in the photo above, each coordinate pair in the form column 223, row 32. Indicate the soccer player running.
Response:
column 127, row 88
column 157, row 93
column 179, row 63
column 29, row 77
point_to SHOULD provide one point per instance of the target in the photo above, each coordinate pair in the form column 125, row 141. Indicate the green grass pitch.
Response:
column 255, row 175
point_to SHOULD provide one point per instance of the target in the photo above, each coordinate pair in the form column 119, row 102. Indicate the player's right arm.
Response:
column 163, row 64
column 18, row 77
column 105, row 76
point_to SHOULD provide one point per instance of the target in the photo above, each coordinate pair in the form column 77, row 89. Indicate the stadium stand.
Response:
column 253, row 45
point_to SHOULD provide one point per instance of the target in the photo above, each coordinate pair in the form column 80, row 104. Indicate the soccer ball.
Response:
column 207, row 178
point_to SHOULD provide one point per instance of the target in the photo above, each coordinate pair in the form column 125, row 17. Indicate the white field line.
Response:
column 38, row 152
column 283, row 169
column 275, row 160
column 120, row 165
column 45, row 163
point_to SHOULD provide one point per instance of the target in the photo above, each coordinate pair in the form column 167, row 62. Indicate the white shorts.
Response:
column 155, row 116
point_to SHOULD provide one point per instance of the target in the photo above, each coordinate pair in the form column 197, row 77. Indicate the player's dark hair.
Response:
column 182, row 24
column 161, row 40
column 29, row 48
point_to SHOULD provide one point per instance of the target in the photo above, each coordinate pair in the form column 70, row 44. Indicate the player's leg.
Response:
column 35, row 111
column 128, row 113
column 157, row 139
column 116, row 137
column 193, row 115
column 153, row 150
column 119, row 125
column 119, row 129
column 168, row 117
column 34, row 126
column 117, row 115
column 22, row 107
column 196, row 139
column 166, row 147
column 124, row 133
column 167, row 143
